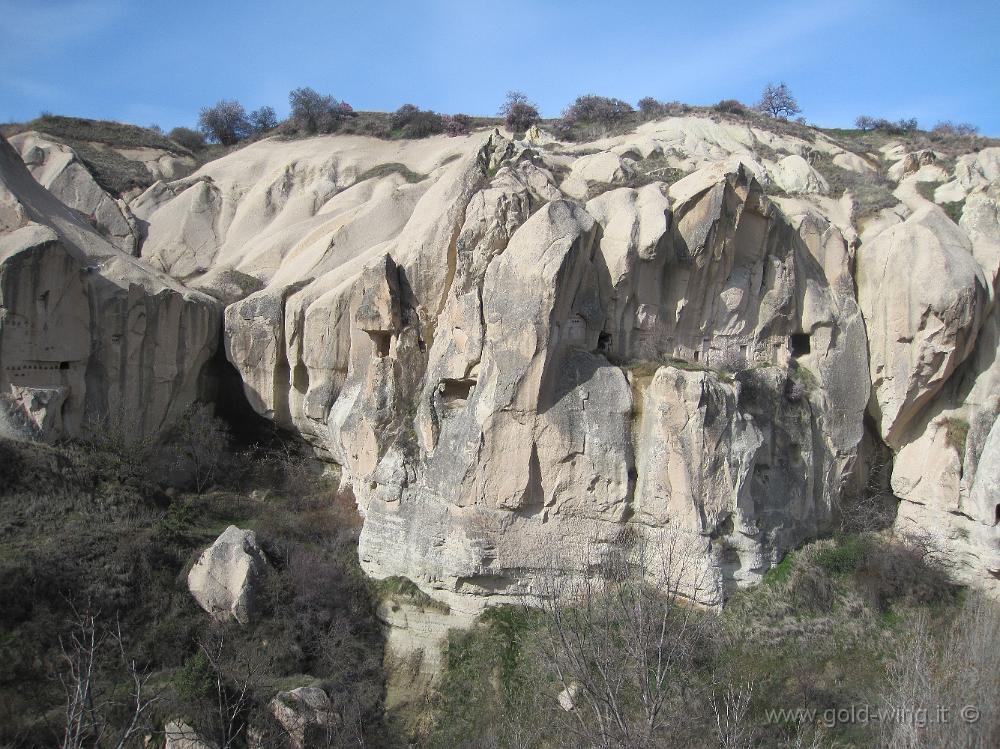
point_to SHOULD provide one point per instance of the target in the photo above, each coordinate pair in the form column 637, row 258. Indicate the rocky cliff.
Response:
column 90, row 337
column 521, row 350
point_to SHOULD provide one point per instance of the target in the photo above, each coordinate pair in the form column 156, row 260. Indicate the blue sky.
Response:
column 158, row 62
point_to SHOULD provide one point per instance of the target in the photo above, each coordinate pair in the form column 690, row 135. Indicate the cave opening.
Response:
column 798, row 343
column 455, row 393
column 381, row 343
column 222, row 386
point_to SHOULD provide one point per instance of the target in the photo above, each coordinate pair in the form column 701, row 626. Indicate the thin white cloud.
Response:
column 46, row 27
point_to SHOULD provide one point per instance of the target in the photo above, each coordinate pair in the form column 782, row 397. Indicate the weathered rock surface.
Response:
column 56, row 167
column 924, row 297
column 307, row 716
column 88, row 334
column 511, row 369
column 222, row 580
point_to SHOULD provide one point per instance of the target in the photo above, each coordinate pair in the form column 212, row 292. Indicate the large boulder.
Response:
column 793, row 174
column 598, row 172
column 222, row 580
column 179, row 735
column 307, row 715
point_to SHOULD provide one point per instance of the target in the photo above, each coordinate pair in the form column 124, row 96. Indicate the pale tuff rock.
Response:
column 78, row 316
column 984, row 496
column 913, row 163
column 597, row 172
column 222, row 580
column 56, row 167
column 794, row 175
column 415, row 640
column 524, row 432
column 179, row 735
column 307, row 715
column 923, row 296
column 853, row 163
column 567, row 697
column 496, row 367
column 273, row 204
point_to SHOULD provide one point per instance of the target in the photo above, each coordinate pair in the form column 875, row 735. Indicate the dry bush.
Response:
column 225, row 122
column 621, row 643
column 941, row 690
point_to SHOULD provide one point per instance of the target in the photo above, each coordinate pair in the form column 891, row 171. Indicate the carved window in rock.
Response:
column 798, row 344
column 381, row 343
column 604, row 343
column 455, row 393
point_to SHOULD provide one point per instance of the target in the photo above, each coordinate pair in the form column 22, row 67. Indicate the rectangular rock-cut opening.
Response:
column 455, row 393
column 64, row 365
column 799, row 344
column 604, row 342
column 381, row 343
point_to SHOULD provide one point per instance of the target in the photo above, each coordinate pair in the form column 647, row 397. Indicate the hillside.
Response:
column 528, row 358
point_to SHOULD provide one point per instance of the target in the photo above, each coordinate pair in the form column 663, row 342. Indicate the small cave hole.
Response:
column 381, row 342
column 455, row 393
column 799, row 344
column 64, row 365
column 603, row 343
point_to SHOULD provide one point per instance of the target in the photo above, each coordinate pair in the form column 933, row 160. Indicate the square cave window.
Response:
column 799, row 344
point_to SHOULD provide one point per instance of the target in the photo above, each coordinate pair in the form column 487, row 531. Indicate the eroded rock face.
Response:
column 924, row 299
column 222, row 580
column 56, row 167
column 513, row 370
column 522, row 448
column 90, row 337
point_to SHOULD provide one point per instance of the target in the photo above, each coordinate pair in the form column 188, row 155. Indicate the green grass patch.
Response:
column 954, row 210
column 926, row 189
column 780, row 572
column 842, row 559
column 956, row 434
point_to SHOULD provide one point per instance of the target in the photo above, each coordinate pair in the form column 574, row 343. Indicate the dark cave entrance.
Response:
column 799, row 344
column 222, row 386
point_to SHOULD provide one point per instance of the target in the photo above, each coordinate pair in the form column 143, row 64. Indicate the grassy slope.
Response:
column 85, row 528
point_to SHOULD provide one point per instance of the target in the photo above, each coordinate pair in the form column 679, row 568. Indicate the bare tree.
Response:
column 519, row 114
column 263, row 119
column 731, row 710
column 91, row 708
column 778, row 102
column 313, row 112
column 225, row 122
column 232, row 693
column 619, row 641
column 201, row 441
column 941, row 690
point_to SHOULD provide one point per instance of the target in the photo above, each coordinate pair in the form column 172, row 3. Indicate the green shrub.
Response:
column 190, row 139
column 843, row 558
column 954, row 210
column 731, row 106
